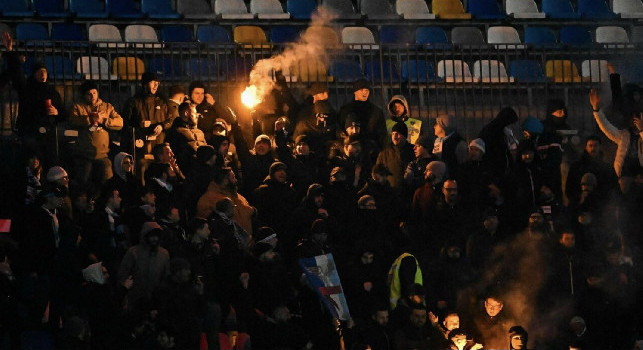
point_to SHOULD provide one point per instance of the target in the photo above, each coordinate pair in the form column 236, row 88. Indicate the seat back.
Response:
column 449, row 9
column 31, row 31
column 575, row 36
column 490, row 71
column 559, row 9
column 202, row 68
column 527, row 71
column 627, row 6
column 128, row 68
column 266, row 7
column 595, row 9
column 68, row 32
column 343, row 8
column 396, row 35
column 284, row 34
column 382, row 72
column 562, row 71
column 212, row 34
column 15, row 6
column 376, row 8
column 104, row 32
column 467, row 36
column 48, row 6
column 418, row 71
column 345, row 70
column 595, row 71
column 194, row 7
column 60, row 67
column 430, row 35
column 357, row 35
column 175, row 33
column 225, row 7
column 411, row 8
column 140, row 33
column 521, row 6
column 454, row 71
column 503, row 35
column 86, row 6
column 154, row 7
column 484, row 9
column 328, row 36
column 310, row 70
column 122, row 8
column 611, row 35
column 94, row 68
column 540, row 36
column 301, row 9
column 637, row 35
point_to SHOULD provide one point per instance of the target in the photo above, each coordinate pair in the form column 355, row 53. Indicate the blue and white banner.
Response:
column 321, row 273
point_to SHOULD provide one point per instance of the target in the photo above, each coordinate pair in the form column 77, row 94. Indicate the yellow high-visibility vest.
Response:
column 394, row 279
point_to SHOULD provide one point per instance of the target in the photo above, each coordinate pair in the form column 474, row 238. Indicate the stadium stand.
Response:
column 413, row 9
column 195, row 9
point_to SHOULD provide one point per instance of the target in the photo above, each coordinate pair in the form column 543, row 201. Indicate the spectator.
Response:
column 449, row 146
column 492, row 325
column 397, row 155
column 369, row 116
column 498, row 142
column 123, row 180
column 318, row 121
column 176, row 97
column 207, row 107
column 518, row 337
column 275, row 198
column 591, row 162
column 416, row 333
column 255, row 165
column 184, row 137
column 414, row 173
column 398, row 109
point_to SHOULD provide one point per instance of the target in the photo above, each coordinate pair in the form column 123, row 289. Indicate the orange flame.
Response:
column 250, row 97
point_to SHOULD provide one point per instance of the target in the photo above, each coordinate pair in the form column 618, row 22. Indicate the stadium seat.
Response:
column 195, row 9
column 595, row 9
column 523, row 9
column 413, row 9
column 562, row 71
column 252, row 36
column 385, row 72
column 490, row 71
column 559, row 9
column 328, row 36
column 94, row 68
column 540, row 36
column 637, row 35
column 595, row 71
column 123, row 9
column 359, row 38
column 203, row 69
column 31, row 31
column 88, row 8
column 396, row 35
column 60, row 68
column 212, row 34
column 159, row 9
column 308, row 70
column 628, row 8
column 16, row 8
column 237, row 68
column 527, row 71
column 485, row 9
column 377, row 10
column 449, row 9
column 343, row 8
column 142, row 36
column 345, row 70
column 504, row 37
column 454, row 71
column 268, row 9
column 68, row 32
column 418, row 71
column 174, row 33
column 433, row 36
column 467, row 36
column 128, row 68
column 612, row 36
column 167, row 68
column 301, row 9
column 284, row 34
column 575, row 36
column 106, row 35
column 232, row 9
column 50, row 8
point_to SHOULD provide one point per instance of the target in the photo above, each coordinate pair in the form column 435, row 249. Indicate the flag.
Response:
column 321, row 273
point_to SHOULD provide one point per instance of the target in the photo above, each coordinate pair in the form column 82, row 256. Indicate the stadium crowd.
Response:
column 163, row 226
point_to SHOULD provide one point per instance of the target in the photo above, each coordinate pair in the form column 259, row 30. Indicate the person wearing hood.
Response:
column 398, row 109
column 370, row 117
column 499, row 142
column 550, row 144
column 123, row 180
column 95, row 121
column 397, row 155
column 184, row 136
column 388, row 202
column 532, row 128
column 275, row 198
column 353, row 160
column 518, row 337
column 318, row 121
column 146, row 263
column 449, row 146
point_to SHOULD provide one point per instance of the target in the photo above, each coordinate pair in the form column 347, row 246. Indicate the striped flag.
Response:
column 321, row 273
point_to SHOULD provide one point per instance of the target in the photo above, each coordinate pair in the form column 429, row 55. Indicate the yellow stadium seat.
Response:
column 326, row 36
column 128, row 68
column 311, row 70
column 251, row 36
column 449, row 9
column 562, row 71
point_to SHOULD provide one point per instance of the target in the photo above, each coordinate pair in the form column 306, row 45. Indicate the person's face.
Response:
column 198, row 95
column 450, row 191
column 362, row 94
column 40, row 75
column 352, row 130
column 224, row 147
column 593, row 148
column 184, row 275
column 193, row 116
column 367, row 258
column 91, row 96
column 586, row 187
column 381, row 317
column 459, row 340
column 319, row 200
column 491, row 223
column 527, row 156
column 167, row 154
column 452, row 322
column 438, row 130
column 517, row 342
column 379, row 178
column 578, row 327
column 370, row 204
column 352, row 150
column 419, row 151
column 63, row 181
column 153, row 86
column 559, row 113
column 429, row 175
column 153, row 240
column 493, row 307
column 262, row 148
column 418, row 317
column 302, row 149
column 568, row 240
column 203, row 232
column 232, row 178
column 475, row 153
column 126, row 165
column 33, row 163
column 149, row 198
column 397, row 138
column 174, row 215
column 398, row 109
column 281, row 176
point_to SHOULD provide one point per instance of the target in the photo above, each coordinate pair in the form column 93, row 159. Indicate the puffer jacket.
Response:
column 414, row 125
column 93, row 143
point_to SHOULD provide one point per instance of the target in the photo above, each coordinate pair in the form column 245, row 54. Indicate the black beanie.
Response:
column 205, row 153
column 302, row 138
column 276, row 166
column 87, row 85
column 149, row 76
column 401, row 128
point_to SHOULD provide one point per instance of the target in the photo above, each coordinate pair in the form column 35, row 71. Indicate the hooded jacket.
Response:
column 243, row 211
column 184, row 140
column 497, row 151
column 93, row 143
column 414, row 125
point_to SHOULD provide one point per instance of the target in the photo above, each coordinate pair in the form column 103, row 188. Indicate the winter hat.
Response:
column 87, row 85
column 361, row 202
column 38, row 66
column 317, row 88
column 178, row 264
column 518, row 330
column 302, row 138
column 276, row 166
column 314, row 190
column 425, row 141
column 589, row 179
column 457, row 331
column 479, row 144
column 318, row 226
column 446, row 122
column 205, row 153
column 351, row 120
column 149, row 76
column 360, row 84
column 437, row 168
column 148, row 227
column 263, row 138
column 94, row 273
column 401, row 128
column 261, row 248
column 56, row 173
column 265, row 234
column 533, row 125
column 554, row 105
column 576, row 319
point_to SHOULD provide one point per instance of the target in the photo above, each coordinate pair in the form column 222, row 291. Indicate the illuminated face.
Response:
column 40, row 75
column 438, row 130
column 493, row 307
column 418, row 317
column 362, row 94
column 192, row 115
column 167, row 155
column 153, row 86
column 450, row 191
column 398, row 109
column 559, row 113
column 126, row 165
column 568, row 240
column 475, row 153
column 302, row 149
column 224, row 147
column 280, row 175
column 459, row 340
column 203, row 232
column 149, row 198
column 451, row 322
column 397, row 138
column 593, row 148
column 381, row 317
column 352, row 150
column 197, row 96
column 262, row 148
column 91, row 96
column 418, row 151
column 517, row 341
column 352, row 130
column 379, row 178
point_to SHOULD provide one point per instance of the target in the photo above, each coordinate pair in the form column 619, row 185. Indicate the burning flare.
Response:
column 250, row 97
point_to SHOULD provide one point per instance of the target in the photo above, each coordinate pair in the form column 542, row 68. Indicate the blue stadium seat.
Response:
column 560, row 9
column 166, row 67
column 124, row 9
column 174, row 33
column 485, row 9
column 345, row 70
column 396, row 35
column 203, row 68
column 301, row 9
column 434, row 36
column 343, row 8
column 88, row 8
column 61, row 68
column 284, row 34
column 386, row 72
column 68, row 32
column 237, row 68
column 212, row 34
column 50, row 8
column 540, row 36
column 16, row 8
column 527, row 71
column 595, row 9
column 419, row 71
column 159, row 9
column 575, row 36
column 31, row 31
